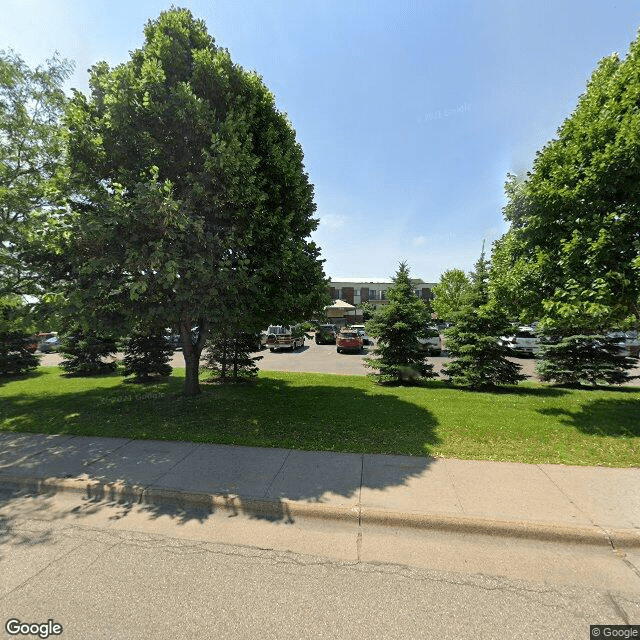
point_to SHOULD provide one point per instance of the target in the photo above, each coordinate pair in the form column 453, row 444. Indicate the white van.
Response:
column 524, row 340
column 282, row 337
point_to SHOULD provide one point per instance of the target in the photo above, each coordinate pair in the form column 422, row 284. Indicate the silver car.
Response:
column 523, row 341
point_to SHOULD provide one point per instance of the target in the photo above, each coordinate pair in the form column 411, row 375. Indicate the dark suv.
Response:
column 326, row 334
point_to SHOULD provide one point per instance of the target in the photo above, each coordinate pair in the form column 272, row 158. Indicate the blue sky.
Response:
column 410, row 113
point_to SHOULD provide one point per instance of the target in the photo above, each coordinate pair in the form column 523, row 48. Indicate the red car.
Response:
column 348, row 341
column 30, row 343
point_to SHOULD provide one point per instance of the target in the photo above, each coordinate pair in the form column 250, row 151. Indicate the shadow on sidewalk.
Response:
column 118, row 467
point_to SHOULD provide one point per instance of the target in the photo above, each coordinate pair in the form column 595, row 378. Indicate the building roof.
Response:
column 340, row 304
column 373, row 280
column 358, row 280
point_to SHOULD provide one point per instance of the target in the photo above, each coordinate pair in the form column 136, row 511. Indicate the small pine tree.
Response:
column 84, row 351
column 147, row 355
column 398, row 325
column 574, row 359
column 15, row 358
column 479, row 361
column 229, row 357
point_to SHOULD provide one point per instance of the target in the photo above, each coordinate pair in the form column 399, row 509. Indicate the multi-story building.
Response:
column 374, row 290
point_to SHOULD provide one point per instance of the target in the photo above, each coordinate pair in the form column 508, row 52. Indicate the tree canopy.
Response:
column 31, row 166
column 191, row 205
column 450, row 293
column 572, row 254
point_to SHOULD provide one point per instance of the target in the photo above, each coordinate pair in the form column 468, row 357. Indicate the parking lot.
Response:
column 323, row 358
column 319, row 358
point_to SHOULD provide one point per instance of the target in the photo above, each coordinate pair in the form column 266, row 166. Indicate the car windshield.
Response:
column 349, row 334
column 279, row 330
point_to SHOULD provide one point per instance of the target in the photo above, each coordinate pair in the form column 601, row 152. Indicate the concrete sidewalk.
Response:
column 588, row 505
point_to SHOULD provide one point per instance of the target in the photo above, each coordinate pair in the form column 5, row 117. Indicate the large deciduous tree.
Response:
column 449, row 293
column 31, row 167
column 573, row 249
column 191, row 204
column 398, row 325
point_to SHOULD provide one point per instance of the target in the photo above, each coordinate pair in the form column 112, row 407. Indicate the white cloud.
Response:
column 418, row 241
column 332, row 221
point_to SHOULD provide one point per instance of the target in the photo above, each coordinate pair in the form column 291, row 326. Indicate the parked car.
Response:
column 30, row 343
column 285, row 337
column 326, row 334
column 348, row 340
column 173, row 339
column 523, row 341
column 261, row 340
column 433, row 343
column 362, row 332
column 49, row 345
column 628, row 342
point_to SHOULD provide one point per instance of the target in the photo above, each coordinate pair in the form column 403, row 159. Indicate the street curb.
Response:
column 285, row 508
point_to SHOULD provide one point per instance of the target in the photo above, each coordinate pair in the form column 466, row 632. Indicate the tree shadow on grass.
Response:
column 615, row 417
column 29, row 375
column 134, row 466
column 525, row 389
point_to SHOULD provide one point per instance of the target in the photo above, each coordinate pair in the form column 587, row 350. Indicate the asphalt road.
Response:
column 314, row 358
column 111, row 571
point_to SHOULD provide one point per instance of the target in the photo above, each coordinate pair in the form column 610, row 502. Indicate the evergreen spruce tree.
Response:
column 16, row 325
column 146, row 355
column 15, row 358
column 479, row 361
column 398, row 325
column 229, row 356
column 574, row 359
column 84, row 351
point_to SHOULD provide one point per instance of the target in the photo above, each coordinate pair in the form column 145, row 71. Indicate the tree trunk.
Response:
column 235, row 358
column 223, row 369
column 191, row 355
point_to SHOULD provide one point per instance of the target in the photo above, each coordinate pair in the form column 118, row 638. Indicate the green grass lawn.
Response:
column 530, row 423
